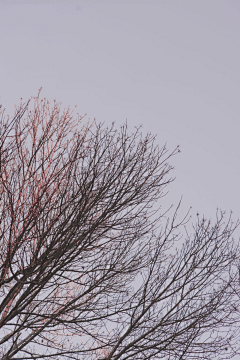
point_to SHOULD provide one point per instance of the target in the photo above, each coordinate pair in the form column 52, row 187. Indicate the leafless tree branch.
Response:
column 90, row 265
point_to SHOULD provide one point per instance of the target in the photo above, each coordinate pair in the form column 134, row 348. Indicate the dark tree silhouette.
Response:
column 88, row 262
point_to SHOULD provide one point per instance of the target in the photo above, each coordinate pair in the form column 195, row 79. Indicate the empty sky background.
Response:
column 172, row 66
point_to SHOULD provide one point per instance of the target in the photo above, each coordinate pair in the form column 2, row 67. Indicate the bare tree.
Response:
column 89, row 267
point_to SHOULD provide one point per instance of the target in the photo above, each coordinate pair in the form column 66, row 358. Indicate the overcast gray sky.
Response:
column 170, row 65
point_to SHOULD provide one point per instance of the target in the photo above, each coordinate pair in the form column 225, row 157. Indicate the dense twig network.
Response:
column 88, row 265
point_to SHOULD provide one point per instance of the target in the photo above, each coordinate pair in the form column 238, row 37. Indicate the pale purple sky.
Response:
column 170, row 65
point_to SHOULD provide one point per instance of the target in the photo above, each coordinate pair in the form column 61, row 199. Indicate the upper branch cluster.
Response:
column 87, row 267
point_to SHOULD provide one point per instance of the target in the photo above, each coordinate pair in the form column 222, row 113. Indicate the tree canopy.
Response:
column 91, row 266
